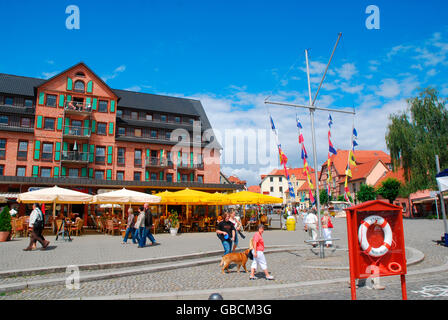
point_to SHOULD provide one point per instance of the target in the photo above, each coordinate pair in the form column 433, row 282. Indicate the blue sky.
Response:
column 233, row 54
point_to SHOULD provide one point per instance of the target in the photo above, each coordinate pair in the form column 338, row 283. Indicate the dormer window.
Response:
column 79, row 86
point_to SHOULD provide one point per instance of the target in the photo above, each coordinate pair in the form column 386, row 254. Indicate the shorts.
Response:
column 259, row 260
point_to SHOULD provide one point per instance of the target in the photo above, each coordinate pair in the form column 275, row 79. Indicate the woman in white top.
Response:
column 237, row 223
column 140, row 226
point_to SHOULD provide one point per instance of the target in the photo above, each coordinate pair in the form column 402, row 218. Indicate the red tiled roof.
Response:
column 297, row 172
column 362, row 156
column 363, row 170
column 398, row 174
column 255, row 189
column 236, row 180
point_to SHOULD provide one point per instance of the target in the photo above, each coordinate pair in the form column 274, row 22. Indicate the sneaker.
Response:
column 252, row 278
column 269, row 277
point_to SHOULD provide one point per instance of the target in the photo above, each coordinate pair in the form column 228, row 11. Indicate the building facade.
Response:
column 73, row 130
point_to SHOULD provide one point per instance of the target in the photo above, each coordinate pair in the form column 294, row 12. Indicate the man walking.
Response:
column 37, row 223
column 311, row 225
column 148, row 224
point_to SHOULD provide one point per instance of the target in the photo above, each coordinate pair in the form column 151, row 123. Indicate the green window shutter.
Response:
column 67, row 125
column 109, row 174
column 56, row 172
column 69, row 98
column 61, row 100
column 88, row 101
column 59, row 125
column 191, row 176
column 112, row 106
column 35, row 171
column 161, row 156
column 178, row 177
column 94, row 103
column 65, row 146
column 147, row 176
column 91, row 153
column 93, row 126
column 111, row 128
column 178, row 157
column 39, row 122
column 90, row 86
column 161, row 176
column 69, row 84
column 84, row 172
column 191, row 159
column 57, row 152
column 41, row 98
column 109, row 154
column 91, row 173
column 37, row 150
column 63, row 172
column 86, row 127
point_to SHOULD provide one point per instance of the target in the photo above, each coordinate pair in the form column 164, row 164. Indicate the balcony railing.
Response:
column 79, row 132
column 157, row 162
column 76, row 107
column 75, row 156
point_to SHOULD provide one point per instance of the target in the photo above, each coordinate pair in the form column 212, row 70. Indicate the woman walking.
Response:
column 140, row 226
column 130, row 228
column 237, row 225
column 226, row 233
column 258, row 253
column 327, row 227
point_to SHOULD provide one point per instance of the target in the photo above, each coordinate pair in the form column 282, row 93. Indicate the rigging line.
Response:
column 282, row 78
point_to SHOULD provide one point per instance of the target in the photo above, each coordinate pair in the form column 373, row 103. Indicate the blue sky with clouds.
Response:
column 234, row 54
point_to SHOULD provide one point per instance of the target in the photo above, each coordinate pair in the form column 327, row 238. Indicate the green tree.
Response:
column 389, row 189
column 323, row 197
column 341, row 198
column 5, row 220
column 415, row 136
column 366, row 193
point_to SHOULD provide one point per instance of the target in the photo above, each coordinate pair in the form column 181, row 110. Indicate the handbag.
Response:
column 250, row 255
column 330, row 224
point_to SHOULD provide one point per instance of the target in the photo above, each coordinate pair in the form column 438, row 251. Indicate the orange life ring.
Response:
column 394, row 267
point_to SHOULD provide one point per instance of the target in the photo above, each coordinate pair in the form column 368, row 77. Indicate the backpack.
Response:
column 39, row 220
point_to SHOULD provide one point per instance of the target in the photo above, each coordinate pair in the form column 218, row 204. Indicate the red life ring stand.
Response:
column 364, row 242
column 394, row 267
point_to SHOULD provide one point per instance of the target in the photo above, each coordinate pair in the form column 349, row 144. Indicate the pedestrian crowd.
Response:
column 140, row 228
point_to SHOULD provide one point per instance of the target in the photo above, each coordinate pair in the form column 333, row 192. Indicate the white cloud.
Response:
column 48, row 75
column 134, row 88
column 116, row 72
column 389, row 88
column 347, row 71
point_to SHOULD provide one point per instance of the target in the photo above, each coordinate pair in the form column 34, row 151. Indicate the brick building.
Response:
column 74, row 131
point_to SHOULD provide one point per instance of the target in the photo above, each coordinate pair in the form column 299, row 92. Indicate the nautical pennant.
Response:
column 283, row 159
column 351, row 161
column 304, row 156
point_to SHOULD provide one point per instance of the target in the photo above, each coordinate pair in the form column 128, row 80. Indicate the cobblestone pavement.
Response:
column 287, row 267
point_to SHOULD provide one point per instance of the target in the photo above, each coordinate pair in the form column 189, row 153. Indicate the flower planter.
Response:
column 173, row 231
column 4, row 236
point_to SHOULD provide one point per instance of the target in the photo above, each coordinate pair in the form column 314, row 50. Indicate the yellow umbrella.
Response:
column 190, row 197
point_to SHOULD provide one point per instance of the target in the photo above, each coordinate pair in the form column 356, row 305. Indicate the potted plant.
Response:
column 173, row 222
column 5, row 224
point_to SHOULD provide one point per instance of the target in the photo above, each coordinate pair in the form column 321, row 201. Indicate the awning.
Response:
column 9, row 195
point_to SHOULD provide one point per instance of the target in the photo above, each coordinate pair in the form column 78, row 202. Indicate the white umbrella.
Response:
column 125, row 196
column 75, row 147
column 54, row 195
